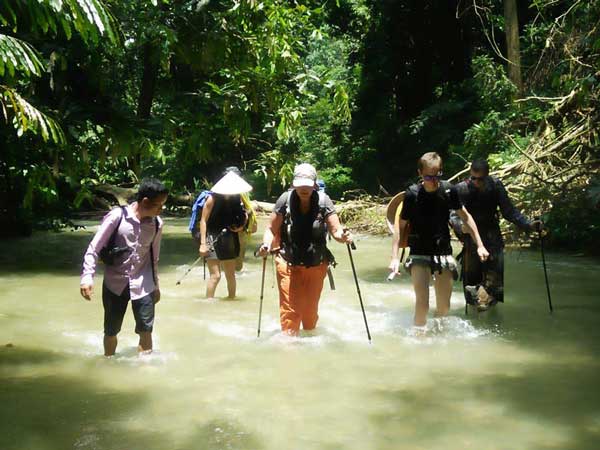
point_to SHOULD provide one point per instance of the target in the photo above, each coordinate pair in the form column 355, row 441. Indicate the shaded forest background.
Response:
column 96, row 93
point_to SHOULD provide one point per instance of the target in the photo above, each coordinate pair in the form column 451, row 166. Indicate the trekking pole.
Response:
column 262, row 292
column 262, row 288
column 188, row 271
column 204, row 264
column 545, row 270
column 351, row 247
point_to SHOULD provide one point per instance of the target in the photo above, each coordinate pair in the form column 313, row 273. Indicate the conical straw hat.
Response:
column 393, row 210
column 231, row 184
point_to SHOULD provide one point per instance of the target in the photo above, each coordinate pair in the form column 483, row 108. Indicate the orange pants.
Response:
column 299, row 292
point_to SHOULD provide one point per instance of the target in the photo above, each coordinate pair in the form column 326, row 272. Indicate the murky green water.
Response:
column 514, row 378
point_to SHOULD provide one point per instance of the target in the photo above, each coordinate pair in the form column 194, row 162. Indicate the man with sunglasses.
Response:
column 426, row 208
column 483, row 195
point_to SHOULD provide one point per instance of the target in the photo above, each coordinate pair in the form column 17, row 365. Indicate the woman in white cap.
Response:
column 297, row 231
column 223, row 217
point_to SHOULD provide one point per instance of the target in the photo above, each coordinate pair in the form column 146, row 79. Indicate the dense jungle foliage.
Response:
column 104, row 92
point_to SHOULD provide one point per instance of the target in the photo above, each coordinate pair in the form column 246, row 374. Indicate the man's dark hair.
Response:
column 151, row 188
column 480, row 166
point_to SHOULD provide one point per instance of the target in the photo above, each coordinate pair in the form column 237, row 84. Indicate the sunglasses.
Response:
column 432, row 177
column 474, row 178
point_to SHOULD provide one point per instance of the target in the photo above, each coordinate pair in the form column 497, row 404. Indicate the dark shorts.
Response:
column 223, row 246
column 116, row 305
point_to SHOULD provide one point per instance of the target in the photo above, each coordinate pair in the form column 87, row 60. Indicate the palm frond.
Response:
column 18, row 55
column 26, row 117
column 90, row 18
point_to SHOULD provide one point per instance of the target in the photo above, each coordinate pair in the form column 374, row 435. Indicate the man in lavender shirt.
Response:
column 133, row 274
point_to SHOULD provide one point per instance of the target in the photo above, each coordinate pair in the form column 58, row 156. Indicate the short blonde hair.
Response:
column 430, row 159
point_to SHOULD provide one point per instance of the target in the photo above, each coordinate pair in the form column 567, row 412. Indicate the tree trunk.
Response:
column 147, row 90
column 511, row 20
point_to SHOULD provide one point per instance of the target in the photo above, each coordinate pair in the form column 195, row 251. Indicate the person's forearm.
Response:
column 337, row 234
column 202, row 231
column 395, row 244
column 399, row 228
column 336, row 230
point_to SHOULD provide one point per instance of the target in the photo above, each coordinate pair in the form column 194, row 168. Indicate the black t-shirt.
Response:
column 428, row 214
column 483, row 205
column 227, row 211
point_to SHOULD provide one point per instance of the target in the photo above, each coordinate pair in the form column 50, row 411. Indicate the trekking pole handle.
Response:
column 266, row 247
column 351, row 244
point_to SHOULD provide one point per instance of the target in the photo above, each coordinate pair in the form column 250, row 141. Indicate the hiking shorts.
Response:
column 223, row 245
column 436, row 263
column 116, row 305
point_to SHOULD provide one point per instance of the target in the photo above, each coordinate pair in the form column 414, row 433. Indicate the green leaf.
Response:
column 26, row 117
column 281, row 130
column 19, row 55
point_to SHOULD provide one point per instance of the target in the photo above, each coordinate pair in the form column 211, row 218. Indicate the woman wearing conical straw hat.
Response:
column 251, row 224
column 223, row 217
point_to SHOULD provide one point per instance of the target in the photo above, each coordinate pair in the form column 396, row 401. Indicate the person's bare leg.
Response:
column 420, row 279
column 214, row 277
column 145, row 344
column 229, row 269
column 239, row 261
column 110, row 345
column 443, row 292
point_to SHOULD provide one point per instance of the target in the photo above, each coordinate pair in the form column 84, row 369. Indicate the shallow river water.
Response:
column 512, row 378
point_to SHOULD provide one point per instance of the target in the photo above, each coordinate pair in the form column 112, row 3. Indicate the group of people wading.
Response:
column 128, row 241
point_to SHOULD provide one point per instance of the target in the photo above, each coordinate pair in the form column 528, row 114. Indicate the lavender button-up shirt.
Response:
column 134, row 268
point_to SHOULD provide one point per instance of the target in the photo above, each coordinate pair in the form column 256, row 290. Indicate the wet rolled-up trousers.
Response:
column 299, row 293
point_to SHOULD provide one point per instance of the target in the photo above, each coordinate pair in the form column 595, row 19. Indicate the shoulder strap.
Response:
column 462, row 188
column 287, row 205
column 113, row 236
column 152, row 250
column 445, row 186
column 322, row 206
column 414, row 188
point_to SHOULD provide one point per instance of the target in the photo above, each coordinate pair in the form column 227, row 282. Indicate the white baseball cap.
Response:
column 304, row 175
